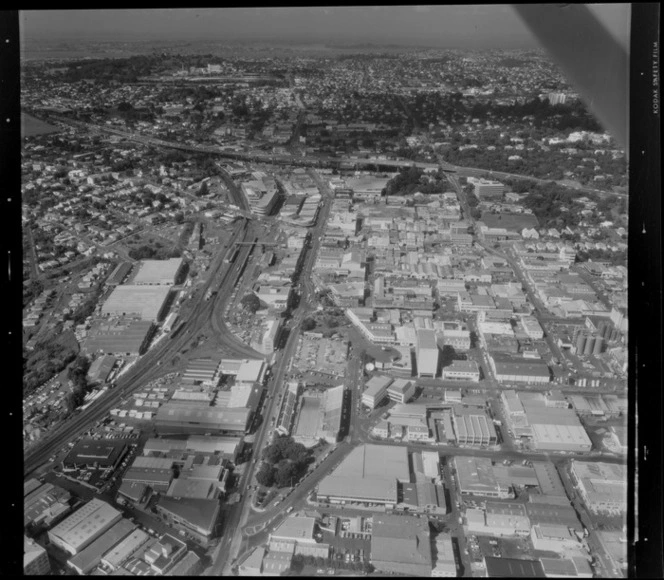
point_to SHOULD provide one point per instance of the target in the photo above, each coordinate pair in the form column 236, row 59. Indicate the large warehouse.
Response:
column 400, row 544
column 122, row 336
column 513, row 369
column 172, row 418
column 144, row 302
column 370, row 473
column 319, row 416
column 84, row 526
column 158, row 272
column 91, row 556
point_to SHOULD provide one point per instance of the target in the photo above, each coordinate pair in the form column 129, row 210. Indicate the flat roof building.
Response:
column 476, row 477
column 158, row 272
column 426, row 353
column 35, row 559
column 173, row 418
column 84, row 526
column 369, row 474
column 195, row 517
column 462, row 370
column 376, row 390
column 603, row 486
column 118, row 336
column 95, row 454
column 144, row 302
column 513, row 568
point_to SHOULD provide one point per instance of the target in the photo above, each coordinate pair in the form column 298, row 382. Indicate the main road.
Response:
column 149, row 366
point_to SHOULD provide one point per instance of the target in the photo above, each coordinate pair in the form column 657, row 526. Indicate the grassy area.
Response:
column 514, row 222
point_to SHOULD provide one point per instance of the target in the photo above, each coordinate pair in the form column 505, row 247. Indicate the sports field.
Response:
column 30, row 126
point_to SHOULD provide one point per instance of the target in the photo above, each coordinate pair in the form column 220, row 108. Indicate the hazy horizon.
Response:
column 462, row 26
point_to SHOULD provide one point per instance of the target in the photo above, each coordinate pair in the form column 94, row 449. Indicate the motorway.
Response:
column 148, row 366
column 321, row 161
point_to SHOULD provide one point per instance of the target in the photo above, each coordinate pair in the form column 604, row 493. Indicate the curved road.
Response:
column 147, row 368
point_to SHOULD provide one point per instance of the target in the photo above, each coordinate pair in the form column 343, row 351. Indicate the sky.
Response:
column 461, row 26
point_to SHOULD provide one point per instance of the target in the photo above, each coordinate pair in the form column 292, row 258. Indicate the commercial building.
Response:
column 575, row 567
column 158, row 272
column 462, row 370
column 370, row 473
column 553, row 538
column 485, row 188
column 426, row 353
column 193, row 488
column 122, row 551
column 137, row 301
column 400, row 544
column 84, row 526
column 296, row 535
column 475, row 476
column 90, row 557
column 472, row 427
column 319, row 416
column 603, row 486
column 172, row 418
column 376, row 390
column 95, row 454
column 253, row 564
column 165, row 554
column 226, row 447
column 197, row 518
column 35, row 559
column 156, row 478
column 401, row 390
column 187, row 566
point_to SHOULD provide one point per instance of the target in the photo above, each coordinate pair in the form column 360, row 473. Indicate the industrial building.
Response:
column 95, row 454
column 400, row 544
column 90, row 557
column 514, row 369
column 445, row 564
column 201, row 371
column 158, row 272
column 197, row 518
column 137, row 301
column 84, row 526
column 426, row 353
column 45, row 505
column 603, row 486
column 173, row 418
column 35, row 559
column 462, row 370
column 499, row 519
column 118, row 336
column 122, row 551
column 553, row 538
column 513, row 568
column 225, row 447
column 475, row 476
column 101, row 368
column 370, row 473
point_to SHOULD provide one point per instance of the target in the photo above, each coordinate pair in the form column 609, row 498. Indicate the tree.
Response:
column 251, row 302
column 308, row 324
column 285, row 473
column 265, row 475
column 178, row 217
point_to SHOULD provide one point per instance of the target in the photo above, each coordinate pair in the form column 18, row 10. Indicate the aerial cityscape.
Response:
column 312, row 308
